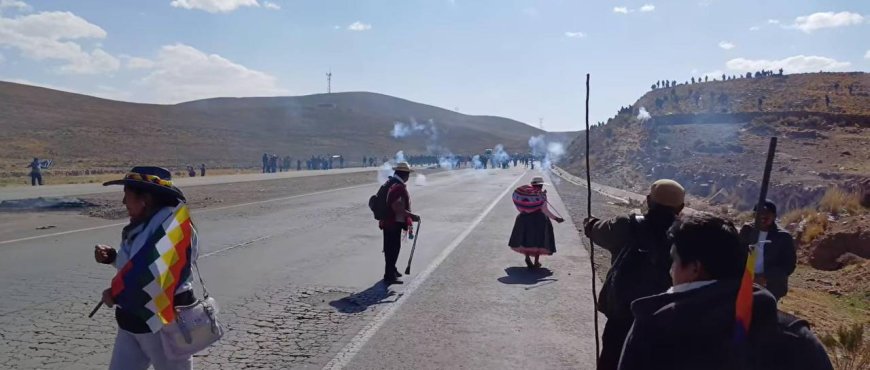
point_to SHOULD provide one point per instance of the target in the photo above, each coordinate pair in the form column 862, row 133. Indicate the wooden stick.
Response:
column 589, row 214
column 97, row 308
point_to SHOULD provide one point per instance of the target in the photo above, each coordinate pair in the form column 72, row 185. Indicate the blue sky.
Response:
column 520, row 59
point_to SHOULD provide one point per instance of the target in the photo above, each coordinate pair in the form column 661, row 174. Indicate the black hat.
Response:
column 152, row 179
column 767, row 206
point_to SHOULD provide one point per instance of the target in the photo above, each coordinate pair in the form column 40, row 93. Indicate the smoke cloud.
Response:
column 402, row 130
column 549, row 152
column 643, row 116
column 387, row 168
column 499, row 155
column 420, row 180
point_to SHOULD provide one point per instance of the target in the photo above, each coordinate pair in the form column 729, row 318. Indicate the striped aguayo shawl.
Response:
column 529, row 199
column 145, row 286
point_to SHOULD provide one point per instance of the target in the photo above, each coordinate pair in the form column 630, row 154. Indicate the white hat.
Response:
column 538, row 180
column 402, row 167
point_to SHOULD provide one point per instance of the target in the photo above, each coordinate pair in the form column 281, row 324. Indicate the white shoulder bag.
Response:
column 196, row 326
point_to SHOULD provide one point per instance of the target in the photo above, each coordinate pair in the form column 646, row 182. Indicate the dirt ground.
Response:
column 826, row 299
column 109, row 205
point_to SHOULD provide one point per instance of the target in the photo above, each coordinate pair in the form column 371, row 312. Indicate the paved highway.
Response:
column 298, row 283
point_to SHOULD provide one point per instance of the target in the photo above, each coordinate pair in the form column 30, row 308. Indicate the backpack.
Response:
column 378, row 202
column 528, row 199
column 640, row 269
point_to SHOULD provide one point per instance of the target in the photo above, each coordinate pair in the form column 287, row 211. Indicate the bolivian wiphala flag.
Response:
column 145, row 286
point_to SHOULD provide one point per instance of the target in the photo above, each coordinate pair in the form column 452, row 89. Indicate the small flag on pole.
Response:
column 743, row 310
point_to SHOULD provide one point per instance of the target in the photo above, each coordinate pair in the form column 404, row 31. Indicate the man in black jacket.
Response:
column 776, row 258
column 639, row 254
column 693, row 324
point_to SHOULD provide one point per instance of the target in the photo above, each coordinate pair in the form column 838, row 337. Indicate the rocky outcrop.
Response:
column 835, row 250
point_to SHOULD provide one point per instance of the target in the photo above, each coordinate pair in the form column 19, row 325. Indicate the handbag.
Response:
column 196, row 326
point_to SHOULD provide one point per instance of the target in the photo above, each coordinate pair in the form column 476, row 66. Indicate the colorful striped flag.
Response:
column 146, row 284
column 743, row 310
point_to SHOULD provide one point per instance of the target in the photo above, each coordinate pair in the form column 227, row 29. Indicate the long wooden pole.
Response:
column 589, row 214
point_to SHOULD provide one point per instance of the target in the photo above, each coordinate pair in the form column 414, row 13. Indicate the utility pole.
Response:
column 329, row 82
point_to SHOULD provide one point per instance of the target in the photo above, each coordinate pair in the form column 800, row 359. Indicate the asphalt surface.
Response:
column 298, row 281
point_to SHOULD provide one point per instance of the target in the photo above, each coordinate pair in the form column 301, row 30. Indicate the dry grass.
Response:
column 839, row 201
column 848, row 349
column 814, row 227
column 811, row 223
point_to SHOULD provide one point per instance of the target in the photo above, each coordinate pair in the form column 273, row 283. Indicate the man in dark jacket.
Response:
column 398, row 218
column 776, row 258
column 693, row 324
column 628, row 278
column 35, row 172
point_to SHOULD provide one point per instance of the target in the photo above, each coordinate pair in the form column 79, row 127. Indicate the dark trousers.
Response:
column 34, row 178
column 392, row 245
column 615, row 331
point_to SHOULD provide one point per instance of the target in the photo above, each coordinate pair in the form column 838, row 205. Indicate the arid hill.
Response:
column 84, row 132
column 712, row 137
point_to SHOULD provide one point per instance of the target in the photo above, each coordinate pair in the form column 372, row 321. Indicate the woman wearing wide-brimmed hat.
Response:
column 533, row 235
column 154, row 259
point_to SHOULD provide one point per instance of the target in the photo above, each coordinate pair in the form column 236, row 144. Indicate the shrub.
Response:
column 838, row 201
column 848, row 350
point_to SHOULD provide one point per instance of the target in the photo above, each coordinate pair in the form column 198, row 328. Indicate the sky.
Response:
column 520, row 59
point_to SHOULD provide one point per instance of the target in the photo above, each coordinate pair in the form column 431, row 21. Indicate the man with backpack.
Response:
column 696, row 325
column 392, row 208
column 640, row 260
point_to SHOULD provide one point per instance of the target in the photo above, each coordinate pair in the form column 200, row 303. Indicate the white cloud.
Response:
column 793, row 64
column 867, row 55
column 271, row 5
column 705, row 3
column 754, row 28
column 138, row 63
column 359, row 26
column 727, row 45
column 16, row 4
column 817, row 21
column 214, row 6
column 773, row 21
column 48, row 35
column 620, row 9
column 575, row 35
column 648, row 8
column 181, row 73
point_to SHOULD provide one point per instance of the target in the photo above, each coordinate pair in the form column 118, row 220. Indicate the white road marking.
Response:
column 242, row 244
column 343, row 358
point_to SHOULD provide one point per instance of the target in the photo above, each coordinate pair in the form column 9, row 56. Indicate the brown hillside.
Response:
column 712, row 137
column 79, row 131
column 716, row 147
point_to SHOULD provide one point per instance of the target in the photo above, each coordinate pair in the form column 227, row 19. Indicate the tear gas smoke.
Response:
column 643, row 116
column 420, row 180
